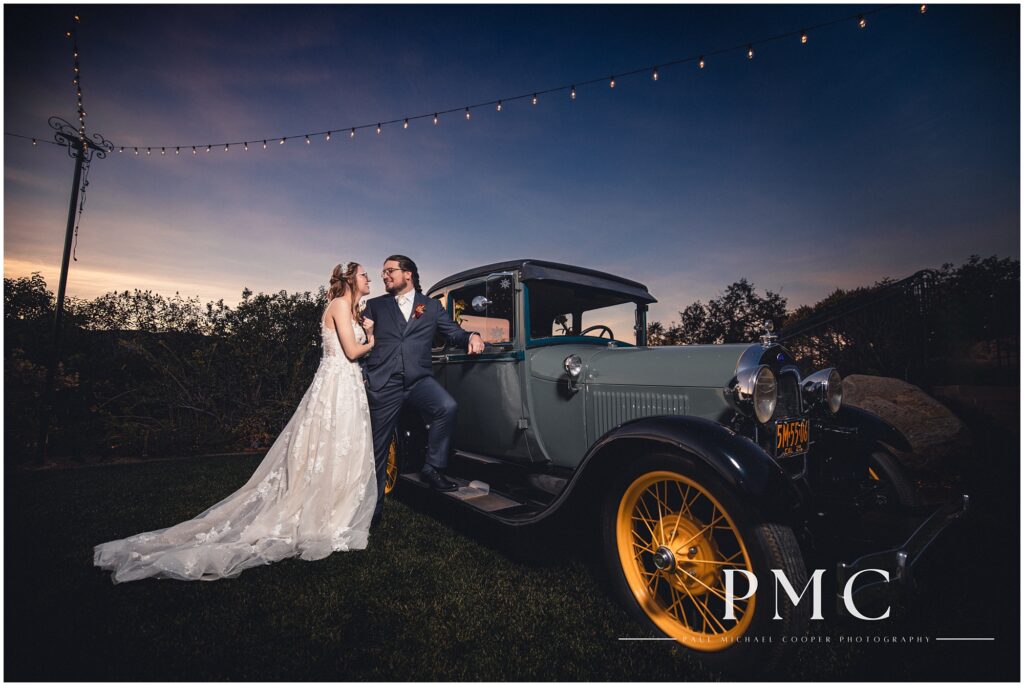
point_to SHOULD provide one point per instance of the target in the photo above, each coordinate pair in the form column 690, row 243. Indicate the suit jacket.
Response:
column 405, row 347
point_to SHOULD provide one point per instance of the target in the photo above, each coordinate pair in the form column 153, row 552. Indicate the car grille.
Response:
column 788, row 404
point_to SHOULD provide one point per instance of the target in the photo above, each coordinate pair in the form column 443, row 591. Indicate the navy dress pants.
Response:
column 437, row 408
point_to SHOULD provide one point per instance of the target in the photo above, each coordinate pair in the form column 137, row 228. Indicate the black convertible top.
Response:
column 554, row 271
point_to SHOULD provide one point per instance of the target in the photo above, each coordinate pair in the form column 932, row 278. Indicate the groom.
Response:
column 398, row 370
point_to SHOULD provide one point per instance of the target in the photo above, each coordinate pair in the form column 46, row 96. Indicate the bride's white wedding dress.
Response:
column 313, row 494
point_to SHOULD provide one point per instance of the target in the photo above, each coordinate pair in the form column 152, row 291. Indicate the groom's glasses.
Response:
column 387, row 272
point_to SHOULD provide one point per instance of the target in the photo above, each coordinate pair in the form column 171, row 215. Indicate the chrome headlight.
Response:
column 757, row 393
column 573, row 366
column 824, row 386
column 765, row 394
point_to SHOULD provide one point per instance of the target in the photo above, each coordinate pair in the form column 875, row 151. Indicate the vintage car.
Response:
column 685, row 462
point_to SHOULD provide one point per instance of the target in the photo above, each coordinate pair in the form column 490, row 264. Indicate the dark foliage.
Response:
column 145, row 375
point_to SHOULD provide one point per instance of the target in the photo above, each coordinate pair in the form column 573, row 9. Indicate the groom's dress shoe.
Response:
column 437, row 480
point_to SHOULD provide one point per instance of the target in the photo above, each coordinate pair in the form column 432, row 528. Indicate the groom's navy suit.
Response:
column 398, row 371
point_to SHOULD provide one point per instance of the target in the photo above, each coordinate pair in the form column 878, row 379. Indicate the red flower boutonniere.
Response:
column 418, row 311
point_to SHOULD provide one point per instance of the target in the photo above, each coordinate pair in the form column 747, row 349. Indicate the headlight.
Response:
column 824, row 386
column 765, row 394
column 573, row 366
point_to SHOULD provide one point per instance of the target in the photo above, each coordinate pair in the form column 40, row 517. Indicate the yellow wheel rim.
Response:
column 391, row 472
column 675, row 540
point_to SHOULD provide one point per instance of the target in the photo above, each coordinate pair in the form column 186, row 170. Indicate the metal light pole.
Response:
column 81, row 149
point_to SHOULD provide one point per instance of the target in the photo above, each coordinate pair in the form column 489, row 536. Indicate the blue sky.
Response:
column 862, row 154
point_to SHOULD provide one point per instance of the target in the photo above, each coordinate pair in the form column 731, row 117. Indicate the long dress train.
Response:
column 313, row 493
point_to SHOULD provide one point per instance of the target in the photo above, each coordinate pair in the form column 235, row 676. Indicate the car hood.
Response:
column 682, row 365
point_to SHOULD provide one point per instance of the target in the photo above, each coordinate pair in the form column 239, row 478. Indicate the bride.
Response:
column 314, row 492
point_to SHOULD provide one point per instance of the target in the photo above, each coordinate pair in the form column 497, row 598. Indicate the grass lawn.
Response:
column 430, row 599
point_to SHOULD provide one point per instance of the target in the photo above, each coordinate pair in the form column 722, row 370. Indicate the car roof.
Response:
column 554, row 271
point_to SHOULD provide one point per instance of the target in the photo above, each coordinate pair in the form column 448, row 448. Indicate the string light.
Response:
column 245, row 146
column 149, row 151
column 177, row 151
column 121, row 150
column 162, row 151
column 654, row 71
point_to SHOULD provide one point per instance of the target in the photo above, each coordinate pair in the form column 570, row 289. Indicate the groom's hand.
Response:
column 476, row 344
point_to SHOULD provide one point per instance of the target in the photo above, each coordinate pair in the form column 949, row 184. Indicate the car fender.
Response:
column 871, row 428
column 743, row 465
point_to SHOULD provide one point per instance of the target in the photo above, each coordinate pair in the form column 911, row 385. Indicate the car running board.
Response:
column 486, row 502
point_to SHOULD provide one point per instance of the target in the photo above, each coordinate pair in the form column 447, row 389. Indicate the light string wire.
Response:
column 653, row 69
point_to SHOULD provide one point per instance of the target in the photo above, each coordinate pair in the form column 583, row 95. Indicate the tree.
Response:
column 737, row 316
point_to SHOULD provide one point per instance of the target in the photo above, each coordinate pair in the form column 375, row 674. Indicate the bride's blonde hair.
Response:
column 342, row 281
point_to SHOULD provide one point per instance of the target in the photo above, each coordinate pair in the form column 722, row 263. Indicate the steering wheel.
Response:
column 598, row 326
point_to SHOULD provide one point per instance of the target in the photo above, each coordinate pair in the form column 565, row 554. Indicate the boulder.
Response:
column 936, row 435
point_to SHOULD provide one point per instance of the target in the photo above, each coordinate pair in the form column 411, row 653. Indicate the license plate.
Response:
column 792, row 437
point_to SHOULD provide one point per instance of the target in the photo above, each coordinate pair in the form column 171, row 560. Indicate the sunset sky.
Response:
column 865, row 153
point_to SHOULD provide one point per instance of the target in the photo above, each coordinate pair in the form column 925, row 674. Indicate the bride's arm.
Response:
column 342, row 317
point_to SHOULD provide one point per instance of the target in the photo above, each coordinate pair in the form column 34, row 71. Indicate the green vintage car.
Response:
column 697, row 468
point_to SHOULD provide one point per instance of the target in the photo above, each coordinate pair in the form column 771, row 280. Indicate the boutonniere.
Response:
column 419, row 310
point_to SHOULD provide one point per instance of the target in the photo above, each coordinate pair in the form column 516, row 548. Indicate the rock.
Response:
column 936, row 435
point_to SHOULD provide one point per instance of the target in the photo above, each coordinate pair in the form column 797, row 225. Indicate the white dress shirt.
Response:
column 405, row 304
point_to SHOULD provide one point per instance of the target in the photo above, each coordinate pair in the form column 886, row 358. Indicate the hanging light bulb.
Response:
column 34, row 142
column 177, row 151
column 281, row 142
column 405, row 124
column 162, row 151
column 534, row 101
column 467, row 113
column 750, row 52
column 136, row 151
column 193, row 150
column 207, row 148
column 654, row 74
column 862, row 22
column 611, row 84
column 803, row 37
column 328, row 136
column 572, row 93
column 307, row 139
column 149, row 151
column 264, row 145
column 245, row 146
column 122, row 149
column 435, row 119
column 378, row 128
column 225, row 147
column 700, row 62
column 352, row 133
column 499, row 106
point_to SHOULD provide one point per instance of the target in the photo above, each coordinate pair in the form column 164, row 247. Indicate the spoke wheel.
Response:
column 391, row 471
column 671, row 529
column 675, row 540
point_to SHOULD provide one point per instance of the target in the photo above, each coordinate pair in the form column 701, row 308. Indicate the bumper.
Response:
column 899, row 560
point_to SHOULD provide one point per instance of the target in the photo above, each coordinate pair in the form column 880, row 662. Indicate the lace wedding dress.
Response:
column 313, row 494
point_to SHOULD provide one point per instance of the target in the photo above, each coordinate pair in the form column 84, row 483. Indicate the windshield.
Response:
column 564, row 309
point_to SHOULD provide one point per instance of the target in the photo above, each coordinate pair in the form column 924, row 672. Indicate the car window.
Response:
column 565, row 309
column 439, row 339
column 488, row 308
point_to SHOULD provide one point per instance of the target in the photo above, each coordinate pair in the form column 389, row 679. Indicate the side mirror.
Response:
column 480, row 303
